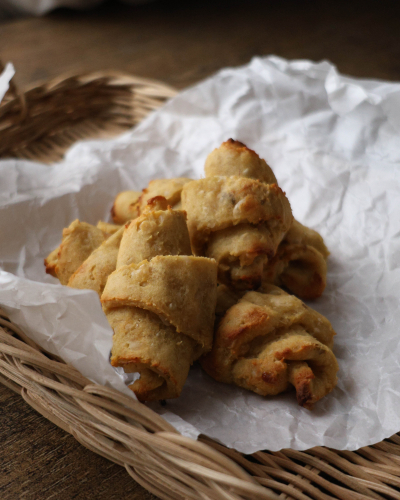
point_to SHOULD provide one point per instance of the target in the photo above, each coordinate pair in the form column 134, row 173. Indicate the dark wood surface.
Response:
column 179, row 43
column 182, row 44
column 39, row 461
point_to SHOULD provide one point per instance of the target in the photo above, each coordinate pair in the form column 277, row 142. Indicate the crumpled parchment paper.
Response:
column 334, row 145
column 5, row 78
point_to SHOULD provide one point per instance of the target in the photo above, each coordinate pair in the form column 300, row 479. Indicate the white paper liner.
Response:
column 333, row 143
column 5, row 78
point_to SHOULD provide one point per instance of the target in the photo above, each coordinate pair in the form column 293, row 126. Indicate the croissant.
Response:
column 300, row 263
column 129, row 206
column 267, row 342
column 93, row 273
column 160, row 302
column 78, row 242
column 237, row 215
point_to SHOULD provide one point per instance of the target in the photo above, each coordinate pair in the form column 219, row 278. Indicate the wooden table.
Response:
column 179, row 44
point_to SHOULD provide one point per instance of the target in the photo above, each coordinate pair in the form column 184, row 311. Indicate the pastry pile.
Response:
column 191, row 270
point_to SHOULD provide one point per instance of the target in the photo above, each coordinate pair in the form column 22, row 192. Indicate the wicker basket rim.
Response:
column 42, row 122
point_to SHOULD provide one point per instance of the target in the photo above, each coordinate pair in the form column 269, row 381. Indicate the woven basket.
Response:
column 40, row 124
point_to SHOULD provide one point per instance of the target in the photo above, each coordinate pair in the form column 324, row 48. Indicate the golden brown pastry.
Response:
column 303, row 235
column 78, row 242
column 300, row 263
column 170, row 189
column 235, row 158
column 50, row 262
column 108, row 228
column 237, row 219
column 92, row 274
column 124, row 207
column 158, row 231
column 129, row 204
column 161, row 307
column 267, row 342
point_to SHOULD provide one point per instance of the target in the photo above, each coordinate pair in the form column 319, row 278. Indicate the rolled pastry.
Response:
column 78, row 242
column 170, row 189
column 50, row 262
column 235, row 158
column 268, row 342
column 141, row 240
column 300, row 263
column 92, row 274
column 126, row 208
column 108, row 228
column 158, row 231
column 237, row 219
column 161, row 307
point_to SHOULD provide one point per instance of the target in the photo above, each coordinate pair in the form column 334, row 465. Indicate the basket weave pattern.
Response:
column 43, row 122
column 115, row 426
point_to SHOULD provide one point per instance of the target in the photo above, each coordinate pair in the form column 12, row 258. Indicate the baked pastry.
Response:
column 78, row 242
column 269, row 341
column 92, row 274
column 50, row 262
column 170, row 189
column 235, row 158
column 124, row 206
column 234, row 217
column 158, row 231
column 108, row 228
column 300, row 263
column 161, row 307
column 129, row 204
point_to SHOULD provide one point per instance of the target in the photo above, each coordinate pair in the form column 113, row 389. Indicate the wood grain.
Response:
column 179, row 43
column 39, row 461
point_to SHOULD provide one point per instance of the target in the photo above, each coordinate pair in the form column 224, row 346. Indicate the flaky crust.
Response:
column 161, row 307
column 50, row 262
column 299, row 234
column 78, row 242
column 158, row 232
column 143, row 343
column 124, row 208
column 93, row 273
column 237, row 215
column 300, row 263
column 181, row 290
column 108, row 228
column 238, row 221
column 215, row 203
column 170, row 189
column 235, row 158
column 241, row 253
column 269, row 341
